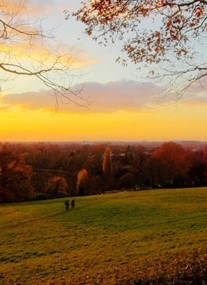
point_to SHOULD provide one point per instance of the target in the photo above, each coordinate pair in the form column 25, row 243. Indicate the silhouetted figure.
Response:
column 73, row 204
column 66, row 205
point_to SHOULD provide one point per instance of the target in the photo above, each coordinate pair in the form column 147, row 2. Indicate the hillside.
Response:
column 106, row 239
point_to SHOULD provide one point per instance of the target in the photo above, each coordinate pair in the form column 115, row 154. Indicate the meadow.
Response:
column 120, row 238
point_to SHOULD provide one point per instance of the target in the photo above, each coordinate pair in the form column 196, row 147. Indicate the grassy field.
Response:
column 106, row 239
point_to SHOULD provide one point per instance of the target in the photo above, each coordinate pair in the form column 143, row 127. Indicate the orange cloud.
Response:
column 95, row 97
column 104, row 98
column 23, row 8
column 12, row 7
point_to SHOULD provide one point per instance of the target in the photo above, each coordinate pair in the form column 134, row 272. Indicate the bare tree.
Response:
column 168, row 36
column 26, row 50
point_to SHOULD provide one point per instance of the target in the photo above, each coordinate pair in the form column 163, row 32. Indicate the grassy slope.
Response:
column 106, row 238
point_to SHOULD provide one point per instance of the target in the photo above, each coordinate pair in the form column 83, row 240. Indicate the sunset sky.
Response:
column 124, row 105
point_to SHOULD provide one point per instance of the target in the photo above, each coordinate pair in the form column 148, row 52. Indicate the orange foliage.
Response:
column 57, row 187
column 15, row 178
column 172, row 160
column 151, row 31
column 82, row 178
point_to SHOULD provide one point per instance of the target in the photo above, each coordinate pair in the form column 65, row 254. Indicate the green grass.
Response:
column 107, row 239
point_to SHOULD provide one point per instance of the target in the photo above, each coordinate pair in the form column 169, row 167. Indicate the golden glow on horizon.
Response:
column 23, row 119
column 40, row 125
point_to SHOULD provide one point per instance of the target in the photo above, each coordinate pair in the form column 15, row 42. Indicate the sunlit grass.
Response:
column 104, row 239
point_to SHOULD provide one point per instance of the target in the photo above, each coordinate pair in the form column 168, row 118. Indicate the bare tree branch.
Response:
column 52, row 68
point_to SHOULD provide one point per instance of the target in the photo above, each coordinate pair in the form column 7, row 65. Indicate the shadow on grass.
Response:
column 193, row 272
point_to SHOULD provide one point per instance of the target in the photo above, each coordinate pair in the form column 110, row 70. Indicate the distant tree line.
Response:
column 30, row 171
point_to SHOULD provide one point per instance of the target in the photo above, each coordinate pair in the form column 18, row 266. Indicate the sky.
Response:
column 117, row 103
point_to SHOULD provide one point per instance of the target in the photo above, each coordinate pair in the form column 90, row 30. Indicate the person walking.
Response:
column 67, row 205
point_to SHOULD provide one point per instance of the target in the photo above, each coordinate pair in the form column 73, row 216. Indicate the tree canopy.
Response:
column 171, row 32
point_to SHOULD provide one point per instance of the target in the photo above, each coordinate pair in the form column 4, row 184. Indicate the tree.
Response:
column 170, row 161
column 57, row 187
column 140, row 161
column 15, row 178
column 197, row 170
column 52, row 68
column 127, row 180
column 151, row 32
column 106, row 163
column 82, row 182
